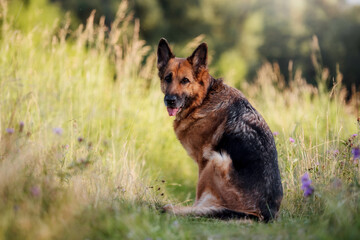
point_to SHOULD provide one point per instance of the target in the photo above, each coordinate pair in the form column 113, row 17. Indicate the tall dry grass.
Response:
column 69, row 91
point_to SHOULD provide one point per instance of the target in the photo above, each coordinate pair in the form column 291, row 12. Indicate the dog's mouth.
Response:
column 173, row 111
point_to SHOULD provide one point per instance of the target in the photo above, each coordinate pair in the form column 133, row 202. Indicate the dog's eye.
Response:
column 168, row 78
column 185, row 81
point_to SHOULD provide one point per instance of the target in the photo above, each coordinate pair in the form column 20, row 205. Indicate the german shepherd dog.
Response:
column 228, row 139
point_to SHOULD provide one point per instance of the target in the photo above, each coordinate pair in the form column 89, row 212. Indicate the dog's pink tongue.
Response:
column 172, row 111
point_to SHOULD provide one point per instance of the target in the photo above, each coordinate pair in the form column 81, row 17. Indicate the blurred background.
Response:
column 243, row 34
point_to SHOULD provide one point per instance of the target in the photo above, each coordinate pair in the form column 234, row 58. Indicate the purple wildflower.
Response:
column 354, row 135
column 356, row 152
column 275, row 133
column 21, row 126
column 58, row 131
column 10, row 130
column 306, row 185
column 291, row 140
column 35, row 191
column 80, row 139
column 176, row 223
column 16, row 208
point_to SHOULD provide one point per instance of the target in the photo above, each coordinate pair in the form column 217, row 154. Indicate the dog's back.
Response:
column 251, row 146
column 235, row 151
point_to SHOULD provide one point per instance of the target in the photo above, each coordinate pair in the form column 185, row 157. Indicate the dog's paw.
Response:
column 168, row 208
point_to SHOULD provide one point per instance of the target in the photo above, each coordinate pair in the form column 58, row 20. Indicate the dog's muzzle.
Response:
column 173, row 104
column 170, row 101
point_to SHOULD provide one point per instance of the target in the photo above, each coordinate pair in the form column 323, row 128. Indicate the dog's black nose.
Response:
column 170, row 100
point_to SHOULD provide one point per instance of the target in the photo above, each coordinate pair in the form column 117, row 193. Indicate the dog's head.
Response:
column 184, row 81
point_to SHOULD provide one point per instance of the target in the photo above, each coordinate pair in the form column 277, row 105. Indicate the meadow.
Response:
column 87, row 150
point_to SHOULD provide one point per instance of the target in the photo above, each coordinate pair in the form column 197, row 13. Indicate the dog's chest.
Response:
column 197, row 134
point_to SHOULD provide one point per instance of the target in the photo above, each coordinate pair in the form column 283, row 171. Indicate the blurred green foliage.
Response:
column 244, row 34
column 29, row 13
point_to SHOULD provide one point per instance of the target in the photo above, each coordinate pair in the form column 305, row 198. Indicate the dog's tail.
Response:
column 227, row 214
column 212, row 212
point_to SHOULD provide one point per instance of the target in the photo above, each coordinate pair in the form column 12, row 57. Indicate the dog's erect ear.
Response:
column 199, row 57
column 164, row 54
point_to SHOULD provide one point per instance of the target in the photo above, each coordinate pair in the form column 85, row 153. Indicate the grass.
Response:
column 87, row 151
